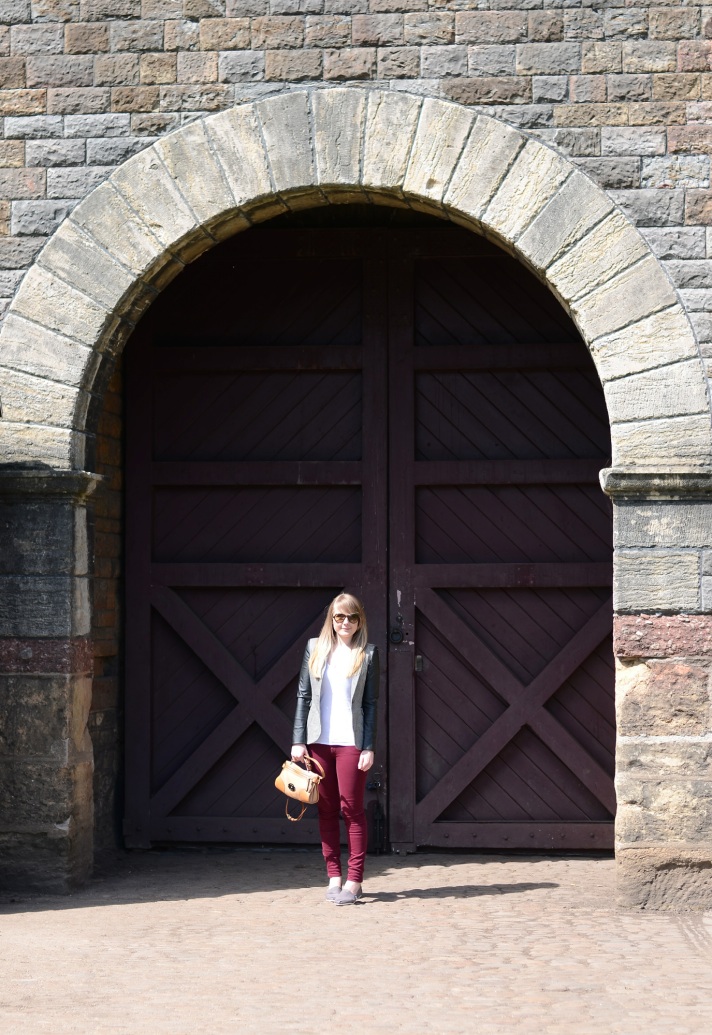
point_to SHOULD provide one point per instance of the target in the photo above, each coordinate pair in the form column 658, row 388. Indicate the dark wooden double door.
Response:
column 408, row 414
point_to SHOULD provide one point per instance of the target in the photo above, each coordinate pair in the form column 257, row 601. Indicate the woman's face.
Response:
column 346, row 623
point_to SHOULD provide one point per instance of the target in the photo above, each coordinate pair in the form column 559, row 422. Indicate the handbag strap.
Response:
column 294, row 819
column 307, row 759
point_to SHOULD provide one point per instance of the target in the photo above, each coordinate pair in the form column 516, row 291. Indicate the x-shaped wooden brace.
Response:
column 525, row 706
column 255, row 699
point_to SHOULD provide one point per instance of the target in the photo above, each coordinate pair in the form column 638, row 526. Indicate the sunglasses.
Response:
column 354, row 618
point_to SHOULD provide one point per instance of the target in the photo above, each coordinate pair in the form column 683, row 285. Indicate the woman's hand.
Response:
column 366, row 760
column 298, row 751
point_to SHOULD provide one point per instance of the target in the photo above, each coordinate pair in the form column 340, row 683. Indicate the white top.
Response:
column 335, row 705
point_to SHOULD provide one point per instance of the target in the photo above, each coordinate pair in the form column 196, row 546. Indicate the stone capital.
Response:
column 22, row 483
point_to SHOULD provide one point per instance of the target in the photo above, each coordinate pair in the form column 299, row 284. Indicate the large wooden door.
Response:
column 410, row 415
column 501, row 703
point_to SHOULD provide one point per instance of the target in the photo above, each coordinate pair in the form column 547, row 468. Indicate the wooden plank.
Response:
column 257, row 575
column 519, row 356
column 507, row 472
column 518, row 835
column 511, row 576
column 230, row 829
column 209, row 358
column 522, row 709
column 258, row 472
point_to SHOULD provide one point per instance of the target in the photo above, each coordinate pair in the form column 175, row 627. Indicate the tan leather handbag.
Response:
column 299, row 783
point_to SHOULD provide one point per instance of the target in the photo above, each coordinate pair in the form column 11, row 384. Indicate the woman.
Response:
column 336, row 717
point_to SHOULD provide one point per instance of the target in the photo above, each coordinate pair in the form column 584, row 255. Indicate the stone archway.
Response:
column 80, row 301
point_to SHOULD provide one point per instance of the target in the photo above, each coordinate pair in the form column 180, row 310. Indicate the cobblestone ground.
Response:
column 208, row 940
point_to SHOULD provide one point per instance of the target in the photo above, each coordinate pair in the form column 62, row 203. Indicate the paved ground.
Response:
column 207, row 941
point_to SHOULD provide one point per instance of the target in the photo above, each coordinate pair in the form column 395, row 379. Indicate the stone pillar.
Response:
column 663, row 648
column 46, row 805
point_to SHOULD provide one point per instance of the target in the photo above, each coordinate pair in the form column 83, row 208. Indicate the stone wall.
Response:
column 626, row 90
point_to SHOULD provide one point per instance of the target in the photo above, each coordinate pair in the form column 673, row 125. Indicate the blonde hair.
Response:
column 328, row 639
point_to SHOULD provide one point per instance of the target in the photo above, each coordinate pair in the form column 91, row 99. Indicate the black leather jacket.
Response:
column 365, row 701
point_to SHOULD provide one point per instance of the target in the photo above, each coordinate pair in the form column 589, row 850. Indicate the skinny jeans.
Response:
column 342, row 790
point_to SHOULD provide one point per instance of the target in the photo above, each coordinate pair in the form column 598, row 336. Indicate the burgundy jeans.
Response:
column 342, row 790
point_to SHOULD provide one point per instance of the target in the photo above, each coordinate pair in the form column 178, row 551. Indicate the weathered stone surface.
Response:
column 666, row 523
column 51, row 303
column 391, row 120
column 285, row 127
column 237, row 144
column 573, row 210
column 607, row 249
column 632, row 295
column 662, row 636
column 675, row 877
column 439, row 139
column 656, row 580
column 677, row 443
column 653, row 758
column 338, row 134
column 666, row 809
column 654, row 341
column 26, row 346
column 79, row 261
column 490, row 151
column 39, row 606
column 25, row 444
column 669, row 391
column 533, row 180
column 662, row 698
column 149, row 189
column 35, row 400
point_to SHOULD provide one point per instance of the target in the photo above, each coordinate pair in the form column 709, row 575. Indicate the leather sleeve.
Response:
column 370, row 702
column 304, row 696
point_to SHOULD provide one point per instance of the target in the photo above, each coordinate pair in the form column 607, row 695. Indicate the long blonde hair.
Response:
column 348, row 604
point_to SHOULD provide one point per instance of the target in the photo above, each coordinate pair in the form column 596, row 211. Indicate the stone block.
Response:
column 694, row 56
column 552, row 88
column 18, row 252
column 37, row 39
column 34, row 349
column 684, row 86
column 12, row 155
column 678, row 443
column 675, row 171
column 545, row 26
column 240, row 67
column 577, row 143
column 12, row 73
column 81, row 262
column 181, row 35
column 198, row 175
column 698, row 205
column 56, row 70
column 191, row 98
column 599, row 58
column 664, row 810
column 40, row 606
column 657, row 340
column 86, row 38
column 673, row 25
column 591, row 114
column 490, row 26
column 690, row 139
column 607, row 249
column 439, row 139
column 534, row 178
column 661, row 698
column 440, row 61
column 648, row 56
column 53, row 304
column 663, row 523
column 276, row 33
column 99, row 10
column 630, row 296
column 157, row 69
column 691, row 273
column 615, row 173
column 34, row 792
column 429, row 27
column 105, row 125
column 38, row 217
column 152, row 194
column 548, row 58
column 75, row 182
column 350, row 63
column 293, row 65
column 136, row 35
column 377, row 30
column 22, row 184
column 135, row 98
column 636, row 87
column 656, row 580
column 386, row 154
column 502, row 90
column 237, row 144
column 14, row 11
column 22, row 102
column 662, row 636
column 491, row 60
column 327, row 31
column 28, row 127
column 116, row 69
column 570, row 214
column 652, row 207
column 664, row 877
column 286, row 132
column 585, row 89
column 626, row 141
column 583, row 25
column 79, row 101
column 338, row 133
column 38, row 537
column 486, row 158
column 114, row 150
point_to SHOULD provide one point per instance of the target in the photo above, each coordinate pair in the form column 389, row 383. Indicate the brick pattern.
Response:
column 106, row 716
column 626, row 91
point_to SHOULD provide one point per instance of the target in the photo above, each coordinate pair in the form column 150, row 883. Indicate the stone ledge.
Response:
column 642, row 484
column 21, row 482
